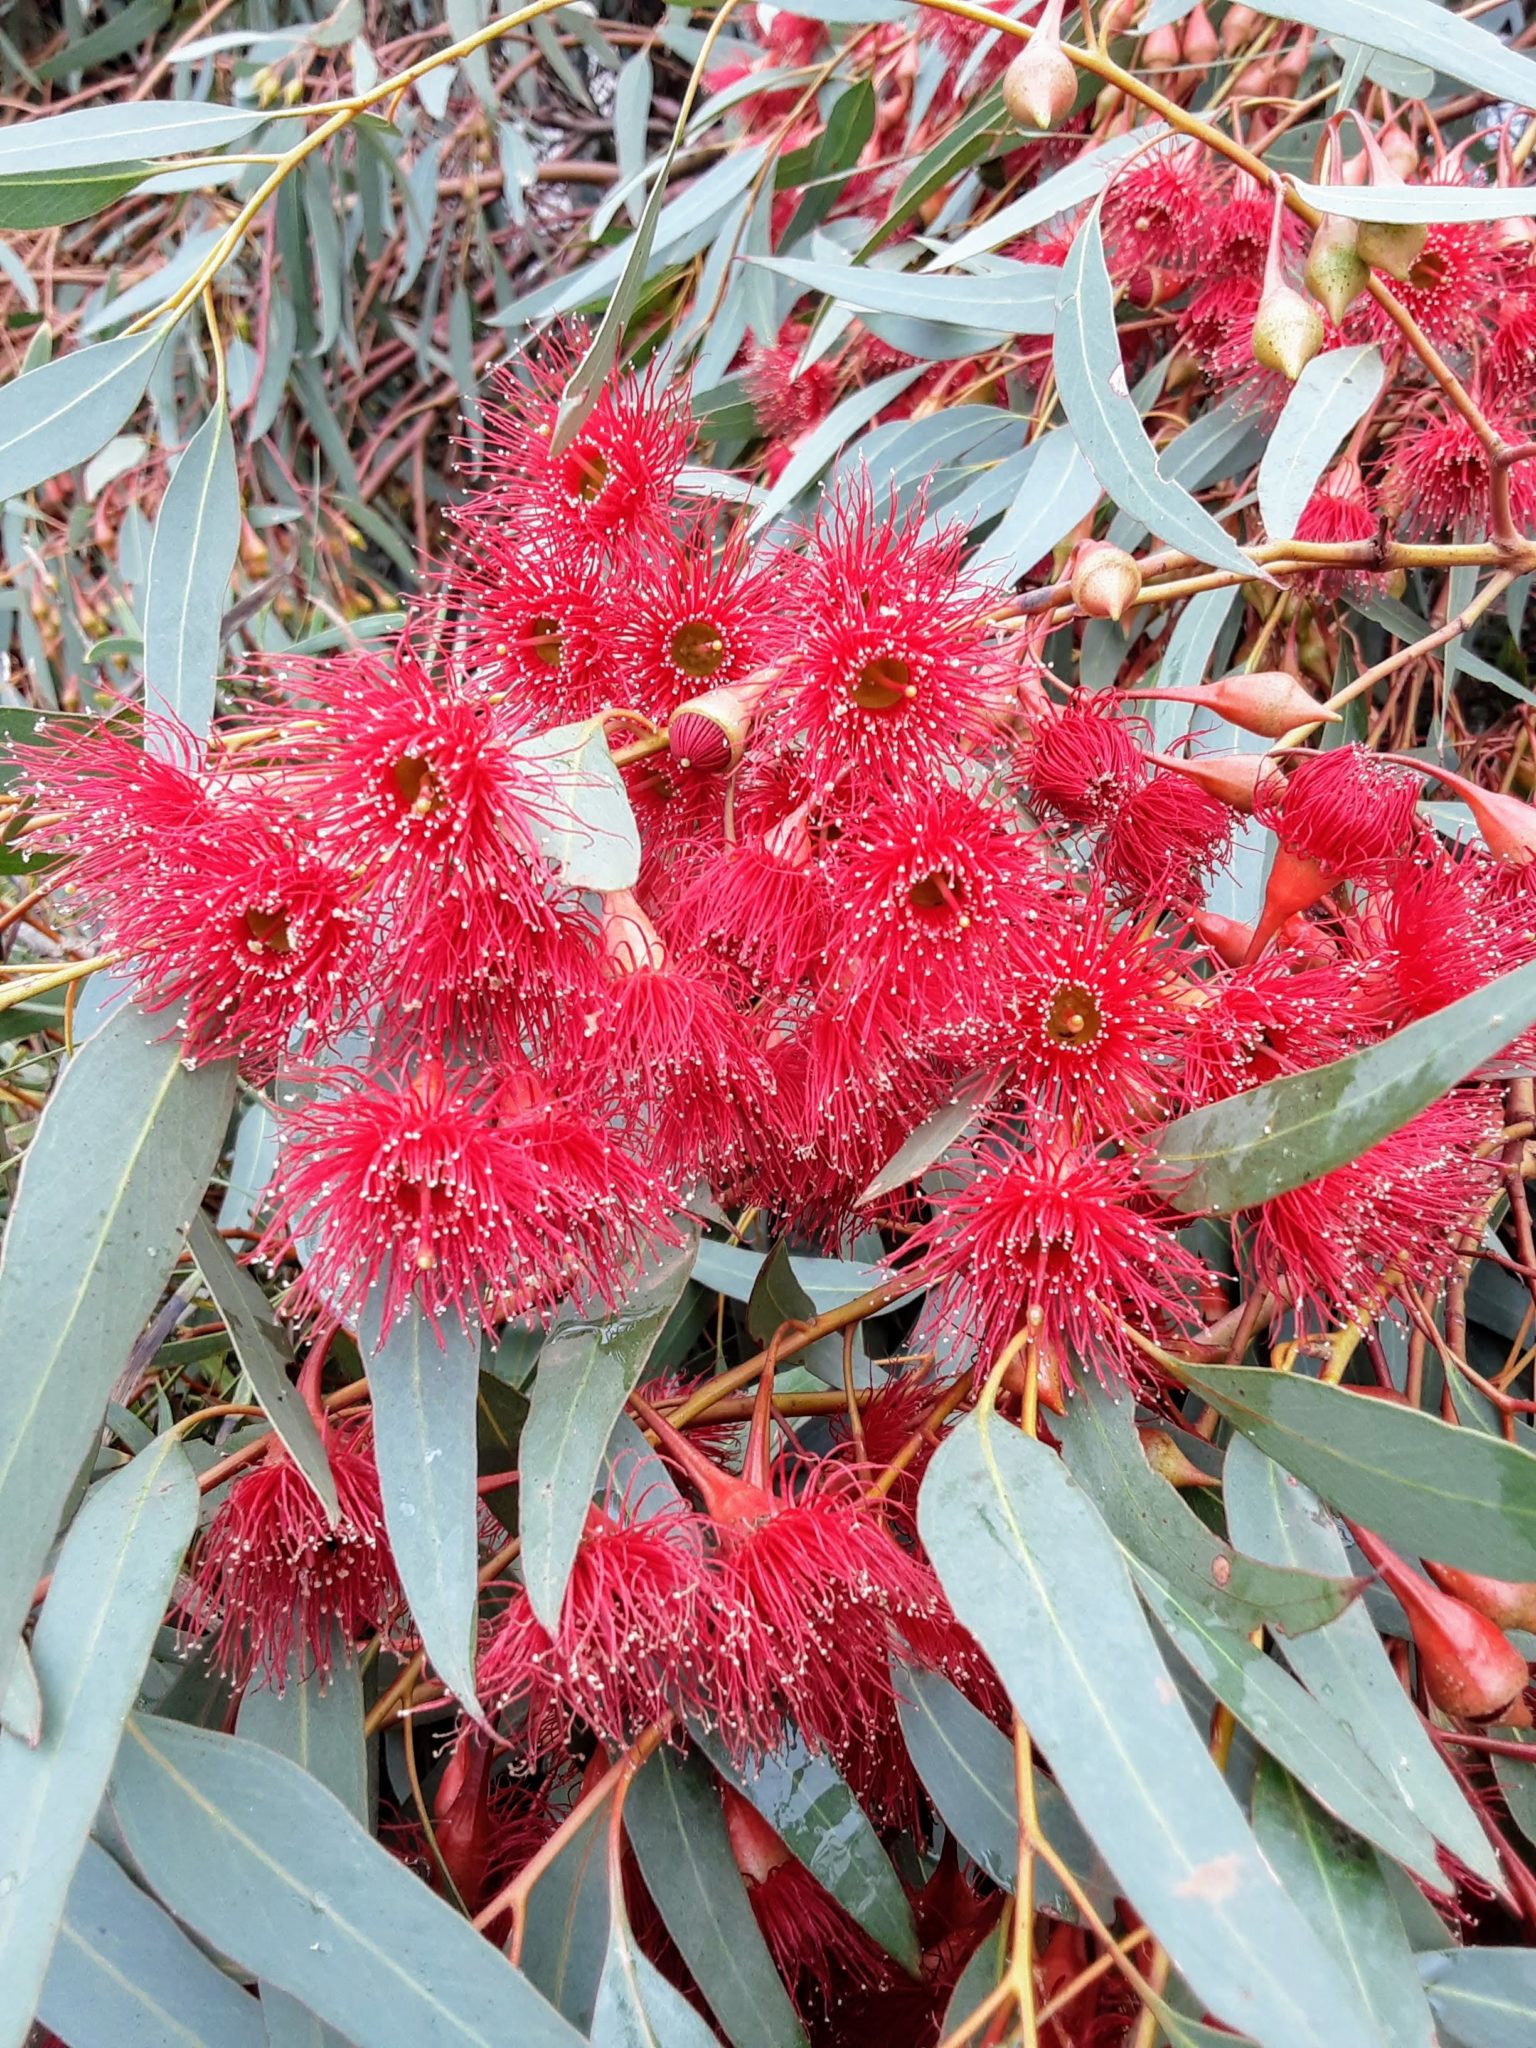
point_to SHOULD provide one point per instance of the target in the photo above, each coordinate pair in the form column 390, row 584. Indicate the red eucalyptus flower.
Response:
column 538, row 622
column 888, row 666
column 613, row 483
column 1344, row 809
column 1048, row 1238
column 1081, row 763
column 626, row 1649
column 1342, row 1245
column 272, row 1577
column 817, row 1948
column 1164, row 842
column 687, row 618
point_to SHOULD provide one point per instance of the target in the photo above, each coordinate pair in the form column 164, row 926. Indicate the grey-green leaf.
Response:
column 967, row 1768
column 122, row 1154
column 197, row 535
column 317, row 1721
column 1249, row 1148
column 586, row 1371
column 934, row 1135
column 636, row 2006
column 806, row 1802
column 1336, row 1880
column 54, row 199
column 98, row 1625
column 1482, row 1997
column 1400, row 203
column 1344, row 1665
column 57, row 416
column 676, row 1824
column 587, row 831
column 1091, row 378
column 777, row 1296
column 1033, row 1573
column 1331, row 396
column 425, row 1386
column 88, row 136
column 1456, row 1495
column 1019, row 300
column 21, row 1711
column 566, row 1939
column 1153, row 1522
column 124, row 1975
column 1284, row 1719
column 264, row 1352
column 252, row 1854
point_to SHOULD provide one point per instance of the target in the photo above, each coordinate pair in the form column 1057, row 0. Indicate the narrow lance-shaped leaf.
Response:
column 1294, row 1728
column 111, row 1177
column 425, row 1386
column 636, row 2006
column 1091, row 377
column 1482, row 1997
column 264, row 1352
column 87, row 136
column 197, row 534
column 1036, row 1577
column 1331, row 396
column 676, row 1824
column 124, row 1975
column 1336, row 1881
column 588, row 830
column 587, row 1369
column 1251, row 1147
column 270, row 1868
column 99, row 1622
column 57, row 416
column 1151, row 1519
column 1457, row 1495
column 1344, row 1665
column 55, row 199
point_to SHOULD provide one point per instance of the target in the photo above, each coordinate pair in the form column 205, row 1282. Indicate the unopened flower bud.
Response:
column 1105, row 580
column 1161, row 51
column 462, row 1818
column 1197, row 43
column 1040, row 84
column 1238, row 779
column 1471, row 1670
column 1228, row 937
column 1505, row 1601
column 1507, row 822
column 1167, row 1460
column 708, row 734
column 1336, row 276
column 1268, row 702
column 1237, row 25
column 1392, row 245
column 1287, row 332
column 630, row 940
column 1296, row 882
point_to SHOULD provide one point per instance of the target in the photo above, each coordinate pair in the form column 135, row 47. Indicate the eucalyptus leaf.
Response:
column 1103, row 416
column 1344, row 1665
column 806, row 1802
column 253, row 1855
column 1331, row 396
column 967, row 1769
column 1397, row 204
column 585, row 826
column 30, row 200
column 1154, row 1523
column 264, row 1352
column 1059, row 490
column 124, row 1975
column 118, row 1162
column 1482, row 1997
column 677, row 1828
column 1249, row 1148
column 588, row 1367
column 57, row 416
column 86, row 137
column 425, row 1385
column 1294, row 1728
column 828, row 438
column 1335, row 1879
column 934, row 1135
column 1457, row 1495
column 1062, row 192
column 566, row 1940
column 98, row 1625
column 636, row 2006
column 1021, row 300
column 1036, row 1577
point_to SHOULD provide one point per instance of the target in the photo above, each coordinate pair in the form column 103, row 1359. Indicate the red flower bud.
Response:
column 1471, row 1670
column 461, row 1818
column 1238, row 779
column 1504, row 1601
column 1269, row 702
column 1227, row 937
column 1296, row 882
